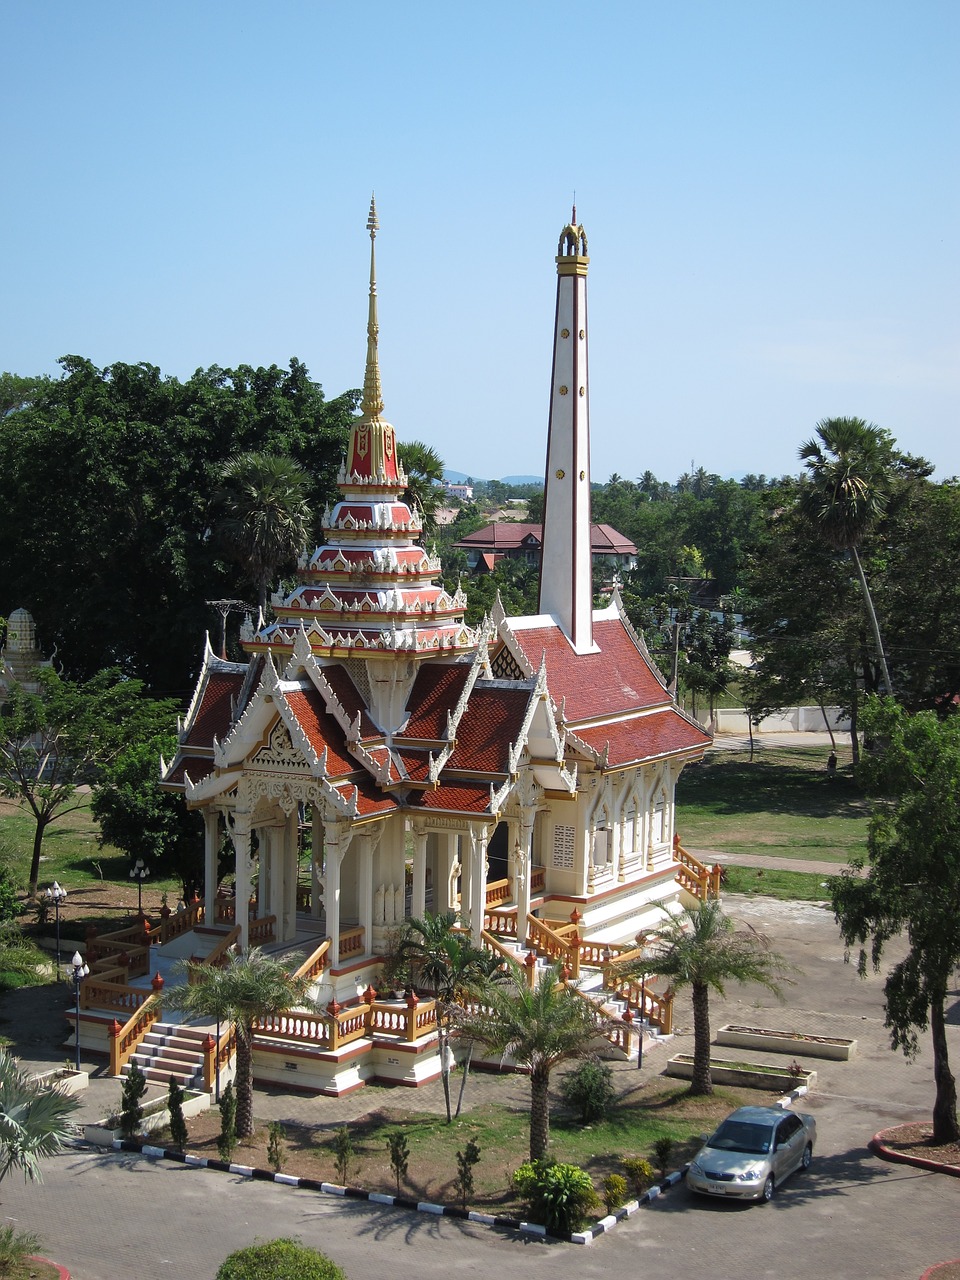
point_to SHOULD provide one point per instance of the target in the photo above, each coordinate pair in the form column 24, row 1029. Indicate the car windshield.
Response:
column 741, row 1135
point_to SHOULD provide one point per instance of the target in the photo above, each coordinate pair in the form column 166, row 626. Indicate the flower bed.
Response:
column 746, row 1075
column 792, row 1042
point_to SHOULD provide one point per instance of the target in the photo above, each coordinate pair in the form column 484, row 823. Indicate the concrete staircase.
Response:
column 169, row 1049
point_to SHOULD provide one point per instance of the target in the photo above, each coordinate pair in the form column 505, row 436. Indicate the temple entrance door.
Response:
column 497, row 853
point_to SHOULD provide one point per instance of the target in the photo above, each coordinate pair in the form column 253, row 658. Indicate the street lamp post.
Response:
column 80, row 971
column 56, row 894
column 139, row 872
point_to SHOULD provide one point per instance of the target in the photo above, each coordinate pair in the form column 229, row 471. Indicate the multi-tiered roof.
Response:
column 370, row 589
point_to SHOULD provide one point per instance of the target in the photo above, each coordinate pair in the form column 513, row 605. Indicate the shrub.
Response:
column 399, row 1150
column 178, row 1126
column 614, row 1188
column 640, row 1172
column 278, row 1260
column 22, row 963
column 342, row 1152
column 131, row 1105
column 276, row 1146
column 228, row 1123
column 588, row 1090
column 463, row 1183
column 15, row 1248
column 662, row 1153
column 559, row 1196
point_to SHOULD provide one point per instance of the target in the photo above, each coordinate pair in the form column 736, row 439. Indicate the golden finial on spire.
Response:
column 372, row 402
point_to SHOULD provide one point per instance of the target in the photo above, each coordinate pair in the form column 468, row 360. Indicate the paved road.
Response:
column 851, row 1217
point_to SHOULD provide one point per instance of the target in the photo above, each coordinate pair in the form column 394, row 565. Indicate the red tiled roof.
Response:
column 660, row 734
column 348, row 695
column 509, row 536
column 454, row 797
column 322, row 730
column 436, row 691
column 213, row 718
column 416, row 764
column 197, row 767
column 489, row 725
column 370, row 799
column 617, row 679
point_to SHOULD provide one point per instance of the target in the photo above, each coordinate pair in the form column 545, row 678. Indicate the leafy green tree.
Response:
column 34, row 1120
column 178, row 1124
column 246, row 988
column 446, row 961
column 55, row 740
column 399, row 1149
column 913, row 885
column 538, row 1029
column 135, row 815
column 131, row 1105
column 265, row 521
column 703, row 950
column 846, row 494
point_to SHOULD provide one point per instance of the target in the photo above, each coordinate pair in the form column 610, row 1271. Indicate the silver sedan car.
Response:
column 752, row 1152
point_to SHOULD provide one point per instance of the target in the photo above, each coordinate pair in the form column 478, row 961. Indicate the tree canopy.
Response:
column 912, row 886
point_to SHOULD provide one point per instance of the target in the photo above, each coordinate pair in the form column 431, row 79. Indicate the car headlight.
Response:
column 751, row 1175
column 695, row 1168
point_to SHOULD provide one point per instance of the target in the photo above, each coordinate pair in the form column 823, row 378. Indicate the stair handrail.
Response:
column 548, row 941
column 611, row 1026
column 656, row 1008
column 695, row 876
column 126, row 1039
column 315, row 963
column 216, row 959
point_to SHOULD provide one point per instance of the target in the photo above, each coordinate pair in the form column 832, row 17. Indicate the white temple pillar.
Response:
column 418, row 899
column 365, row 891
column 477, row 859
column 240, row 836
column 331, row 886
column 211, row 847
column 316, row 864
column 291, row 870
column 451, row 865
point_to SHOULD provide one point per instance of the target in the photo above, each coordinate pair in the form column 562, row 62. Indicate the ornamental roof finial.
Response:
column 372, row 402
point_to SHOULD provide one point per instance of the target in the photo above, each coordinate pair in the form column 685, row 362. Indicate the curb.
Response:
column 878, row 1147
column 403, row 1202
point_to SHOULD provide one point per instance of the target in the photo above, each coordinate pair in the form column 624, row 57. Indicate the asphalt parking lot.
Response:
column 850, row 1217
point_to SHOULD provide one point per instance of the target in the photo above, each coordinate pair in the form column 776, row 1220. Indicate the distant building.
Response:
column 523, row 541
column 21, row 658
column 464, row 491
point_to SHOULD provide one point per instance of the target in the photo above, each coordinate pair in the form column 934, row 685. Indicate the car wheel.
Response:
column 806, row 1157
column 768, row 1189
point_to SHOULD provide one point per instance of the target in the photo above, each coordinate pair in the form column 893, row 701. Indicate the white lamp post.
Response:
column 139, row 872
column 80, row 971
column 56, row 894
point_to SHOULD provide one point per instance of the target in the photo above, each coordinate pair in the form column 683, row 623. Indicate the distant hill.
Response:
column 461, row 477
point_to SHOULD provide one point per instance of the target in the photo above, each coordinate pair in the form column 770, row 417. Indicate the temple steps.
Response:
column 170, row 1049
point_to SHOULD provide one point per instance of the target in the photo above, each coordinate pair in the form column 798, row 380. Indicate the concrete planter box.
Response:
column 66, row 1080
column 762, row 1075
column 103, row 1133
column 793, row 1042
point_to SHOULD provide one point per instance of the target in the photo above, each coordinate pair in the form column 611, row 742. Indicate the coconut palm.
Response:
column 33, row 1120
column 538, row 1029
column 703, row 949
column 424, row 468
column 266, row 520
column 445, row 960
column 248, row 987
column 846, row 494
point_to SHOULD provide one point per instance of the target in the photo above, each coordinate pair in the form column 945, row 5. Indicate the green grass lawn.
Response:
column 782, row 804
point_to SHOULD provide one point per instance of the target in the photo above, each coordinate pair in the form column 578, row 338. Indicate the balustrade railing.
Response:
column 502, row 922
column 315, row 963
column 498, row 891
column 126, row 1038
column 695, row 876
column 262, row 931
column 351, row 941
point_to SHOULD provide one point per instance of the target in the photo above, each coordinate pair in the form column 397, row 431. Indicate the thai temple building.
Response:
column 520, row 775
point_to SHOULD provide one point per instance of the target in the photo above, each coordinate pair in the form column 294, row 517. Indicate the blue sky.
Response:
column 770, row 193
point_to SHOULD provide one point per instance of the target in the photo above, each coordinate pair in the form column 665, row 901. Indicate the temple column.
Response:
column 240, row 836
column 365, row 892
column 418, row 898
column 274, row 878
column 316, row 863
column 336, row 841
column 477, row 862
column 452, row 870
column 291, row 876
column 211, row 847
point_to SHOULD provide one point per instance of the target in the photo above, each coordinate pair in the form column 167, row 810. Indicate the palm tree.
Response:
column 446, row 961
column 846, row 494
column 538, row 1028
column 424, row 468
column 703, row 949
column 33, row 1120
column 248, row 987
column 266, row 519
